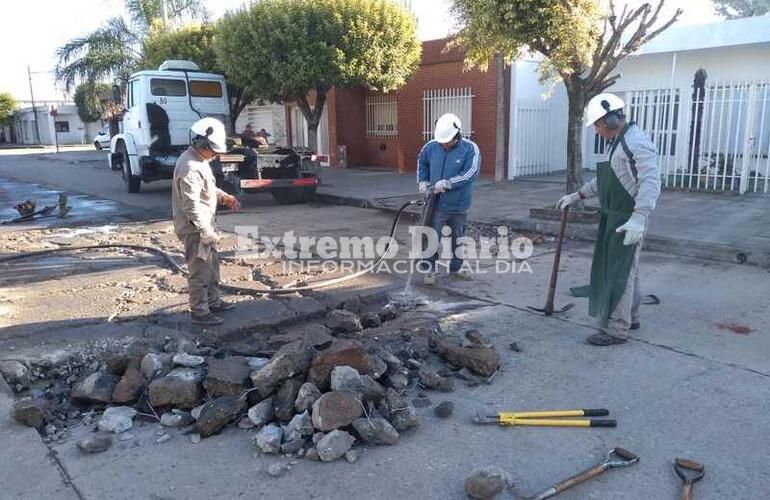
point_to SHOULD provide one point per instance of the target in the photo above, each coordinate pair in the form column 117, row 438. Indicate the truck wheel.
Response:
column 133, row 182
column 288, row 196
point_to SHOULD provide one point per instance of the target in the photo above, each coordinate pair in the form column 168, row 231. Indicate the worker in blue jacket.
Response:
column 450, row 163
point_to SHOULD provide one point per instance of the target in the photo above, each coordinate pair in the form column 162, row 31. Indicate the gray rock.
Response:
column 257, row 363
column 312, row 454
column 177, row 418
column 486, row 483
column 218, row 413
column 334, row 445
column 195, row 413
column 291, row 360
column 444, row 410
column 377, row 366
column 188, row 360
column 336, row 409
column 430, row 379
column 14, row 371
column 245, row 424
column 152, row 364
column 95, row 443
column 317, row 437
column 262, row 412
column 129, row 387
column 283, row 401
column 405, row 419
column 181, row 388
column 347, row 379
column 306, row 396
column 228, row 376
column 397, row 381
column 375, row 430
column 96, row 388
column 300, row 426
column 351, row 456
column 389, row 312
column 269, row 439
column 277, row 470
column 117, row 419
column 30, row 412
column 341, row 353
column 339, row 321
column 293, row 446
column 370, row 320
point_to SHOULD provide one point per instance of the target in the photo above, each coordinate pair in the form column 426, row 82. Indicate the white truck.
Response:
column 160, row 108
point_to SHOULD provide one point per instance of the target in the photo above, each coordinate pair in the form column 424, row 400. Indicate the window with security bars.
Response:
column 381, row 115
column 437, row 102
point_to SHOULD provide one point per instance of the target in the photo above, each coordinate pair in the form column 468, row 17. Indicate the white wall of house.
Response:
column 71, row 128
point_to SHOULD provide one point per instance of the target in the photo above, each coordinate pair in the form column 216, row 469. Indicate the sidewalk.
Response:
column 724, row 227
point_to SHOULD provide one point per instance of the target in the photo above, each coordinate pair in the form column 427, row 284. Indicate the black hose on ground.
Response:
column 230, row 288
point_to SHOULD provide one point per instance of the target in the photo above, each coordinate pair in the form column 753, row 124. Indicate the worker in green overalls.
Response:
column 628, row 187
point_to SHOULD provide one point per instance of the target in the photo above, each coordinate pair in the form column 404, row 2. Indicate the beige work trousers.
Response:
column 203, row 282
column 627, row 310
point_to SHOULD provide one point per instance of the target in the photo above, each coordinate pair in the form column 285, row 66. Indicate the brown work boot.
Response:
column 603, row 339
column 207, row 319
column 222, row 305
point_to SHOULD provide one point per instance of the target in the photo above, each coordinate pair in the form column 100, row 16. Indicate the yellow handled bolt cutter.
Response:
column 546, row 418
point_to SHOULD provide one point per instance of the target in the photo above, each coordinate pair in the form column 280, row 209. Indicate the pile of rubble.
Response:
column 340, row 383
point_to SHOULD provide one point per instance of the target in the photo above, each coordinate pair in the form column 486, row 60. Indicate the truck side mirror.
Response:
column 116, row 94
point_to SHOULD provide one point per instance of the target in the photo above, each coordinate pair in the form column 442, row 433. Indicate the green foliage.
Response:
column 144, row 13
column 8, row 107
column 282, row 49
column 90, row 99
column 192, row 42
column 734, row 9
column 567, row 32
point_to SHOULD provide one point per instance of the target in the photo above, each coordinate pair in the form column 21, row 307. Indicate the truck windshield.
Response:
column 205, row 88
column 167, row 87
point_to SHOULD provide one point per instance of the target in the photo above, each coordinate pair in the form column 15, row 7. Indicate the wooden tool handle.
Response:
column 556, row 259
column 687, row 492
column 580, row 478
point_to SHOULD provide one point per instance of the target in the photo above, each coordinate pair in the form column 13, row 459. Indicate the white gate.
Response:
column 530, row 148
column 436, row 102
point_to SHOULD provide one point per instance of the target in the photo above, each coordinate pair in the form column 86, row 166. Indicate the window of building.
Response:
column 204, row 88
column 381, row 115
column 62, row 126
column 167, row 87
column 437, row 102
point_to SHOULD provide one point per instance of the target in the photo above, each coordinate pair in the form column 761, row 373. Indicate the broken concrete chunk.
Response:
column 228, row 376
column 177, row 418
column 478, row 338
column 479, row 359
column 269, row 439
column 388, row 312
column 299, row 426
column 95, row 443
column 405, row 418
column 375, row 430
column 334, row 445
column 370, row 320
column 340, row 321
column 181, row 388
column 216, row 414
column 341, row 353
column 283, row 401
column 188, row 360
column 307, row 395
column 30, row 412
column 486, row 483
column 117, row 419
column 117, row 364
column 262, row 412
column 153, row 363
column 290, row 360
column 430, row 379
column 336, row 409
column 15, row 372
column 96, row 388
column 293, row 446
column 130, row 386
column 257, row 363
column 347, row 379
column 377, row 366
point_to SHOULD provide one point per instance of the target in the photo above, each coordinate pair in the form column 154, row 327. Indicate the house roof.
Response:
column 727, row 33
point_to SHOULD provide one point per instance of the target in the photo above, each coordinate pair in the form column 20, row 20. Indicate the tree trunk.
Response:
column 312, row 135
column 501, row 128
column 576, row 97
column 313, row 115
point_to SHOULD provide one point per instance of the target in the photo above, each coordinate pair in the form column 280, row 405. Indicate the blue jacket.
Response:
column 460, row 166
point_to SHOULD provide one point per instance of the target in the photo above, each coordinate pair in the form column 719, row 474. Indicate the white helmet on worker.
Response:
column 447, row 128
column 600, row 105
column 212, row 131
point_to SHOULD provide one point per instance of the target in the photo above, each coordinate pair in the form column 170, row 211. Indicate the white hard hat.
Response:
column 447, row 127
column 600, row 105
column 213, row 130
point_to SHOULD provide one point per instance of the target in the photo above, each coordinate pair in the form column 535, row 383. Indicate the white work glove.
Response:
column 634, row 229
column 441, row 186
column 567, row 200
column 423, row 187
column 209, row 237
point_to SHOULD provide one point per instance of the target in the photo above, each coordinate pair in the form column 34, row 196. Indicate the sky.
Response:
column 31, row 31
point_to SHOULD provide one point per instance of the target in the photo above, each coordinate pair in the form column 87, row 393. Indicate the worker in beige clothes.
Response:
column 194, row 199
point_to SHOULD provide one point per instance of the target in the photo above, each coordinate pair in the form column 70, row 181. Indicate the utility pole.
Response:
column 34, row 111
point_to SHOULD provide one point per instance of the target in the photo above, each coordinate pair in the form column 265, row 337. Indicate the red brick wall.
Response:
column 348, row 125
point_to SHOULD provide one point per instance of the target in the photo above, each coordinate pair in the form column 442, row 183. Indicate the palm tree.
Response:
column 115, row 50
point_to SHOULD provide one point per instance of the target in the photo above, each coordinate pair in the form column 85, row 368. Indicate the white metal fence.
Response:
column 531, row 153
column 436, row 102
column 713, row 139
column 381, row 115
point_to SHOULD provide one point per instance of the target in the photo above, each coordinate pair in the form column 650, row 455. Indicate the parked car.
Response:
column 102, row 139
